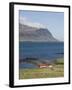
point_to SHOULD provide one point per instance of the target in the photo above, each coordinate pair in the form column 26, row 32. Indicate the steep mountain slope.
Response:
column 28, row 33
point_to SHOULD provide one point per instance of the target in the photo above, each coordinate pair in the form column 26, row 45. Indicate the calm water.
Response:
column 46, row 50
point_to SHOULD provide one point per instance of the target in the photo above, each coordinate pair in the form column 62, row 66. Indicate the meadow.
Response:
column 57, row 71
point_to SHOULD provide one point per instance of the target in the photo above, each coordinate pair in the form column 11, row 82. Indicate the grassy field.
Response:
column 57, row 71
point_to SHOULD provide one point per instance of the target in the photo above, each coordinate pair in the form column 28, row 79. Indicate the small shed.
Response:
column 43, row 65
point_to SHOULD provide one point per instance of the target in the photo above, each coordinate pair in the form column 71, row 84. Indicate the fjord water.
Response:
column 45, row 50
column 40, row 50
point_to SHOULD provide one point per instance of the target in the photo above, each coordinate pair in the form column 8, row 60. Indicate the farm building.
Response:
column 45, row 66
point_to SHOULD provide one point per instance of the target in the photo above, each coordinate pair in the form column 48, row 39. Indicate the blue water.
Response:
column 27, row 65
column 40, row 50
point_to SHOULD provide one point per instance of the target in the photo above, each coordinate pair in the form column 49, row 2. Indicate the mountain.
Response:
column 30, row 33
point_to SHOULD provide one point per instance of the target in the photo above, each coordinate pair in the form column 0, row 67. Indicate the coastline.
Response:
column 56, row 71
column 39, row 41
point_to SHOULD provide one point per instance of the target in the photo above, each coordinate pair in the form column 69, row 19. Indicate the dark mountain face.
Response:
column 27, row 33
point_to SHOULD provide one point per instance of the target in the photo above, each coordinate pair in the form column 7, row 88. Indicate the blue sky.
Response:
column 53, row 20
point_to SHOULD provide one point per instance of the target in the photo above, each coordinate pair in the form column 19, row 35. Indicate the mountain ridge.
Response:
column 33, row 34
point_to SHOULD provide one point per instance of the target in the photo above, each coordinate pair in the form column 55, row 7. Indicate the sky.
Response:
column 54, row 21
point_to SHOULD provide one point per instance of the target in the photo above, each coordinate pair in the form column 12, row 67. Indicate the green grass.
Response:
column 58, row 71
column 59, row 61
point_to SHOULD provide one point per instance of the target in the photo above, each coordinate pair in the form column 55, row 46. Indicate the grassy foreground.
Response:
column 57, row 71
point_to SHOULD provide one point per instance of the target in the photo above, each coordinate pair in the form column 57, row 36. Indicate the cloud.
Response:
column 25, row 21
column 22, row 20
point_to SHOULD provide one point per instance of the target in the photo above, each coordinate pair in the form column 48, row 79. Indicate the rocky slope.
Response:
column 29, row 33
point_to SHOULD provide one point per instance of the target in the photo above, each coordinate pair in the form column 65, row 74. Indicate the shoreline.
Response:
column 56, row 71
column 40, row 61
column 40, row 41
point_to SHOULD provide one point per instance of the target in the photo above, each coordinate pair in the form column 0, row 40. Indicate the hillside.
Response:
column 29, row 33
